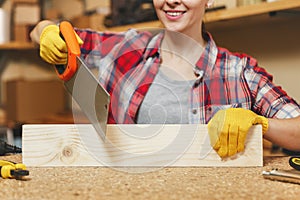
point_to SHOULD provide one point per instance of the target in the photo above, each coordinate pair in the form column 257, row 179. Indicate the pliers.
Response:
column 10, row 169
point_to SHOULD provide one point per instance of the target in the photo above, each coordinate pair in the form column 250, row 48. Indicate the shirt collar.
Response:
column 153, row 46
column 208, row 58
column 206, row 61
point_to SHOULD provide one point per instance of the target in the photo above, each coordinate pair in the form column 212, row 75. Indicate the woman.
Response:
column 179, row 75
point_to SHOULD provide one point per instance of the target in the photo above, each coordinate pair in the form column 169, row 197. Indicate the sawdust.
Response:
column 167, row 183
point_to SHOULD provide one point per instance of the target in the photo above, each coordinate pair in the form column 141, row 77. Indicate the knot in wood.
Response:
column 67, row 151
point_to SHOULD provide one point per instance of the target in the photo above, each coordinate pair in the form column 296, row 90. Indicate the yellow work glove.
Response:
column 228, row 129
column 53, row 48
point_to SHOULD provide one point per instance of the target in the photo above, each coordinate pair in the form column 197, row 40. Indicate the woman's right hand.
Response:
column 53, row 48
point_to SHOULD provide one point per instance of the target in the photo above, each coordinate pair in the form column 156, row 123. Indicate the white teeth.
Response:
column 174, row 14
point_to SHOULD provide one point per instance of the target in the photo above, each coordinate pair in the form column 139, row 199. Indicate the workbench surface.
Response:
column 165, row 183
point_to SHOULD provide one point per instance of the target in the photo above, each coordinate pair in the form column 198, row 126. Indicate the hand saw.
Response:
column 85, row 89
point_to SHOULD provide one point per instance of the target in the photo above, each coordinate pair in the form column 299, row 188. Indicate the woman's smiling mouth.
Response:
column 174, row 14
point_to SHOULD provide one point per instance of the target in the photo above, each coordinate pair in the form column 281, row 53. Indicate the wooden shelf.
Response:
column 250, row 10
column 151, row 24
column 17, row 46
column 227, row 14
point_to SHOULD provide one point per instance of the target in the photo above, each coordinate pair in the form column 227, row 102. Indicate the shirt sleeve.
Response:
column 270, row 100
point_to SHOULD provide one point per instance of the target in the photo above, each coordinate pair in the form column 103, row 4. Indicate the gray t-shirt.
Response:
column 166, row 101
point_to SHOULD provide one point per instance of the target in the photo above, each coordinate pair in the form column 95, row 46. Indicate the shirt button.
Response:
column 194, row 111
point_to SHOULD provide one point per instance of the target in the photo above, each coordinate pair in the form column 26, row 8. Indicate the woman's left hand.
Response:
column 228, row 129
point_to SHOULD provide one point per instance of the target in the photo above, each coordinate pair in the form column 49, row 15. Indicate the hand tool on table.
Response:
column 6, row 148
column 85, row 89
column 10, row 169
column 291, row 176
column 294, row 162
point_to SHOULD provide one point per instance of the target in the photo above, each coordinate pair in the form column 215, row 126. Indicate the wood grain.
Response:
column 131, row 145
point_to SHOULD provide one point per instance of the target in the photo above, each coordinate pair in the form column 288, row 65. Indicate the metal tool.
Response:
column 294, row 162
column 10, row 169
column 85, row 89
column 6, row 148
column 291, row 176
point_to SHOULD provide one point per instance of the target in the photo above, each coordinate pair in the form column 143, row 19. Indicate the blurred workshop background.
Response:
column 30, row 91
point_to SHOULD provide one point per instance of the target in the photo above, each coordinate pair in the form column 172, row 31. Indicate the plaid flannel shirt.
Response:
column 129, row 61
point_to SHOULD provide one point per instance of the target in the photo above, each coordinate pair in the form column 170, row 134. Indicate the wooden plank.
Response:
column 131, row 145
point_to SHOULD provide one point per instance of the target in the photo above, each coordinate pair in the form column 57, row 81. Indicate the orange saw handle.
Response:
column 65, row 73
